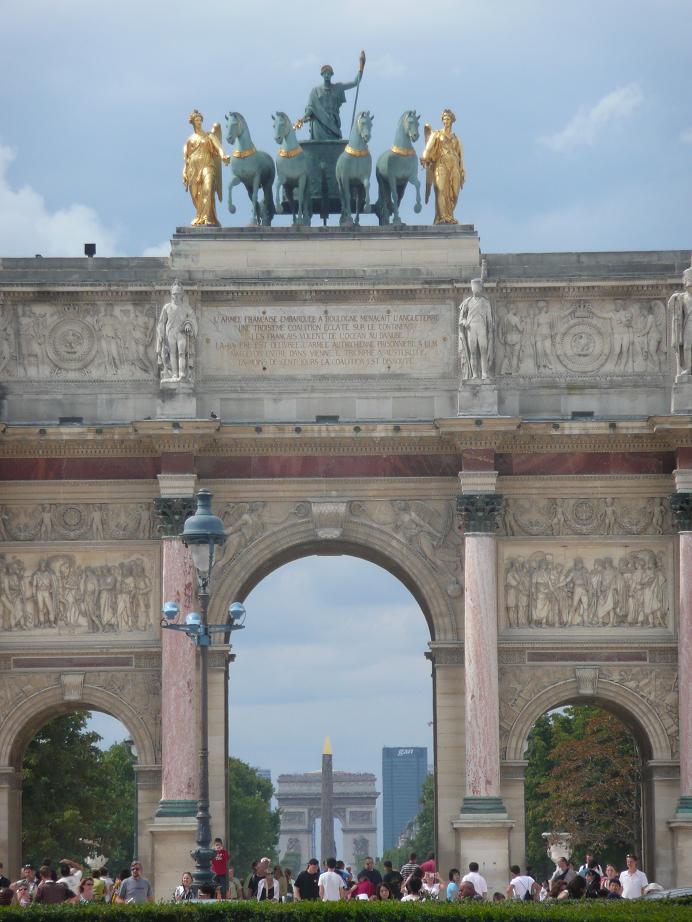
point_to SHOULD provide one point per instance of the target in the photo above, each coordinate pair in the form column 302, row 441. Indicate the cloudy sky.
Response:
column 576, row 118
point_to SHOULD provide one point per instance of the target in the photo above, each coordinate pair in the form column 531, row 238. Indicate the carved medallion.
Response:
column 583, row 346
column 71, row 344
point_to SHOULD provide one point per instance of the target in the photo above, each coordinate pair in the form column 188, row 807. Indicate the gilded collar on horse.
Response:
column 403, row 151
column 355, row 151
column 245, row 153
column 293, row 152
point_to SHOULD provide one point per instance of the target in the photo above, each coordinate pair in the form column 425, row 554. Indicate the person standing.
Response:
column 393, row 879
column 268, row 887
column 306, row 885
column 235, row 886
column 633, row 880
column 478, row 881
column 219, row 868
column 410, row 866
column 521, row 886
column 135, row 888
column 453, row 885
column 52, row 892
column 371, row 872
column 184, row 891
column 331, row 885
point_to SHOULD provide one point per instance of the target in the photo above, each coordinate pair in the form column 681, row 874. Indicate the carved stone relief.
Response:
column 360, row 816
column 658, row 686
column 583, row 338
column 430, row 530
column 76, row 521
column 567, row 515
column 78, row 341
column 93, row 592
column 586, row 587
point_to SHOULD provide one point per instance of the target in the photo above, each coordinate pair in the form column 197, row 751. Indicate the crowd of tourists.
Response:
column 413, row 882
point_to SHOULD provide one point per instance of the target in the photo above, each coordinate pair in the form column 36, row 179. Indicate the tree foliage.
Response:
column 254, row 825
column 583, row 778
column 76, row 798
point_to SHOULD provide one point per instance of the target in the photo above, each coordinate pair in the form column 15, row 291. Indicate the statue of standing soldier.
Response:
column 476, row 333
column 175, row 335
column 680, row 306
column 324, row 103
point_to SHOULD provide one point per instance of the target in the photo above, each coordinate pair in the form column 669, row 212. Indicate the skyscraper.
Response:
column 404, row 770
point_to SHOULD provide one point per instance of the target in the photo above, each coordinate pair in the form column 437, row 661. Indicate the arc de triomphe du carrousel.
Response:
column 508, row 434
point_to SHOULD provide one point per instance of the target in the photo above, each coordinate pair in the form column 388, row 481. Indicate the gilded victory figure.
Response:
column 443, row 159
column 202, row 156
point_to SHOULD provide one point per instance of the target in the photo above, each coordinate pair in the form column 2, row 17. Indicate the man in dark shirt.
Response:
column 4, row 881
column 306, row 886
column 371, row 872
column 51, row 892
column 393, row 878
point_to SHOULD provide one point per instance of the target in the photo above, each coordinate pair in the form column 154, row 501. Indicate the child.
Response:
column 219, row 867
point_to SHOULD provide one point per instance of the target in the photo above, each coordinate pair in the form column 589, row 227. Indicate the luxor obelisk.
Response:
column 327, row 844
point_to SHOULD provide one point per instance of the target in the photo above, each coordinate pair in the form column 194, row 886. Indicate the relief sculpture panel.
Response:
column 76, row 521
column 586, row 586
column 94, row 341
column 98, row 592
column 585, row 515
column 558, row 339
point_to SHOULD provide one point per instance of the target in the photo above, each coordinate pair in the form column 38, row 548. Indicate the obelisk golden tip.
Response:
column 327, row 751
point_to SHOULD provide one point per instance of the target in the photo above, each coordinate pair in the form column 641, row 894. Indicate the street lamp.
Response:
column 202, row 534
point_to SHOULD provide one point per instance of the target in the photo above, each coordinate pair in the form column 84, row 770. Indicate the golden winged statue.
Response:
column 202, row 157
column 443, row 159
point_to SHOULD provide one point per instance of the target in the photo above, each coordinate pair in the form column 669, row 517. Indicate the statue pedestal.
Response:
column 477, row 398
column 176, row 401
column 485, row 838
column 246, row 252
column 681, row 400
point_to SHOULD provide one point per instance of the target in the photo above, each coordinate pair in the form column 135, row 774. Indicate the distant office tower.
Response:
column 265, row 773
column 404, row 770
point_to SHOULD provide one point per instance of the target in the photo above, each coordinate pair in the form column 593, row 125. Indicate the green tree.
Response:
column 76, row 799
column 583, row 778
column 254, row 825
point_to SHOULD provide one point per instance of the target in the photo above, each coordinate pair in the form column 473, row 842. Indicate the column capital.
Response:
column 681, row 507
column 171, row 512
column 479, row 512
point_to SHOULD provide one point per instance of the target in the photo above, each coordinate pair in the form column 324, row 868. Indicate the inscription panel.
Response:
column 316, row 340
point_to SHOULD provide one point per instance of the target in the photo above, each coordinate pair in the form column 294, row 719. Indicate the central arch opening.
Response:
column 334, row 647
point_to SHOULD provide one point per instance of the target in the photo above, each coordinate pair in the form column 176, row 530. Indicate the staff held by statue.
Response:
column 361, row 68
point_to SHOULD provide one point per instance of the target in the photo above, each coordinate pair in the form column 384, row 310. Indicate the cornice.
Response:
column 211, row 438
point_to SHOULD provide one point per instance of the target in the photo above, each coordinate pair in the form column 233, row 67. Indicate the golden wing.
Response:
column 430, row 167
column 216, row 131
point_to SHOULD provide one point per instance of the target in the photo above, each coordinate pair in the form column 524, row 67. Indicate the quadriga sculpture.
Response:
column 292, row 183
column 251, row 167
column 353, row 169
column 397, row 167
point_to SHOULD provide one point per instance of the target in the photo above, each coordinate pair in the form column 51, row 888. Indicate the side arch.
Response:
column 26, row 717
column 629, row 707
column 443, row 613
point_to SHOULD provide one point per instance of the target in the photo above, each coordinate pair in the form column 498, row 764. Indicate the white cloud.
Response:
column 686, row 136
column 28, row 227
column 160, row 249
column 590, row 121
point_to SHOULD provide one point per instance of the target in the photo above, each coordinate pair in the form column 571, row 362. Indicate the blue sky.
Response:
column 576, row 118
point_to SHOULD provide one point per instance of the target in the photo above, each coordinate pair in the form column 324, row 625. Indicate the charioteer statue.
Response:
column 324, row 103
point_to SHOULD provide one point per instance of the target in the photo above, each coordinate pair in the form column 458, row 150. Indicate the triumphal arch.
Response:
column 517, row 451
column 354, row 798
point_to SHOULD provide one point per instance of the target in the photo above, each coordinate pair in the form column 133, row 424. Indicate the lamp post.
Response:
column 203, row 532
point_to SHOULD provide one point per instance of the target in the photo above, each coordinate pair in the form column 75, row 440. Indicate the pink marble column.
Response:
column 681, row 504
column 482, row 725
column 179, row 741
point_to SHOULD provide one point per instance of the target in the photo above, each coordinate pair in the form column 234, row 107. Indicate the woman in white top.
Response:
column 268, row 887
column 184, row 889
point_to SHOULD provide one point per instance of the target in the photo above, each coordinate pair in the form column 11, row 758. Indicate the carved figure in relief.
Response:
column 176, row 332
column 4, row 517
column 680, row 307
column 46, row 524
column 558, row 522
column 243, row 526
column 140, row 333
column 543, row 335
column 650, row 341
column 45, row 587
column 623, row 338
column 476, row 325
column 97, row 521
column 31, row 340
column 111, row 345
column 90, row 595
column 511, row 335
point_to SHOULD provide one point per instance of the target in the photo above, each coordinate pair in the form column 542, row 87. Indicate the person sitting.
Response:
column 268, row 887
column 468, row 892
column 384, row 892
column 364, row 888
column 184, row 891
column 614, row 890
column 576, row 888
column 593, row 885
